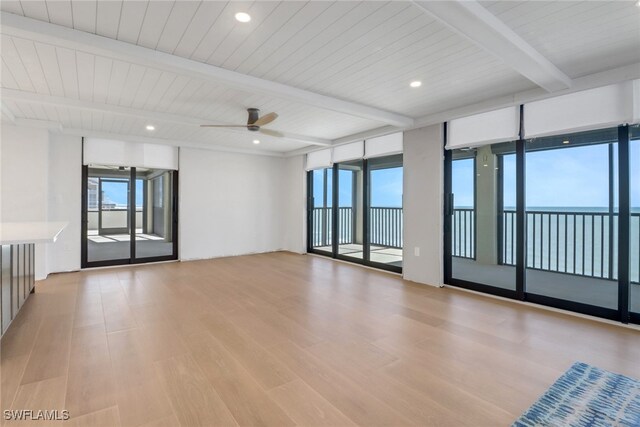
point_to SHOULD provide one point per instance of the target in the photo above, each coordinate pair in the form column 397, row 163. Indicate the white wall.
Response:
column 230, row 204
column 422, row 200
column 295, row 217
column 24, row 169
column 64, row 204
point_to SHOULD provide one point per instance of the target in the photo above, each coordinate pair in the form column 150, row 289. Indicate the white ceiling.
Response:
column 362, row 52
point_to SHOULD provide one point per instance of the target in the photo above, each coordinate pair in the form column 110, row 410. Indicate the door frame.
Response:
column 132, row 259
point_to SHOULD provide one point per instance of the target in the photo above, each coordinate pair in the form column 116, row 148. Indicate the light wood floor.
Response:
column 281, row 339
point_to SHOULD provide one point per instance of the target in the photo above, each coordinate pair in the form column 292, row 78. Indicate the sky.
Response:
column 386, row 188
column 117, row 192
column 576, row 177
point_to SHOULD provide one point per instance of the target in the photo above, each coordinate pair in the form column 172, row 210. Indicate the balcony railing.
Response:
column 385, row 226
column 572, row 242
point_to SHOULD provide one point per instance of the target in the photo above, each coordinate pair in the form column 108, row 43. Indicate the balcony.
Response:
column 570, row 254
column 385, row 233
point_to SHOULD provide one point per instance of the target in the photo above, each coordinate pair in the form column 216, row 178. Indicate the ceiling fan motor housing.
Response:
column 254, row 113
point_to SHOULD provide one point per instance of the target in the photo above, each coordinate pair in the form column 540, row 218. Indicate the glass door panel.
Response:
column 634, row 226
column 154, row 213
column 385, row 211
column 350, row 209
column 483, row 221
column 320, row 229
column 571, row 214
column 108, row 219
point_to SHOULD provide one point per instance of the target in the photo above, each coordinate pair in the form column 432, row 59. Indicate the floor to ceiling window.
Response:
column 552, row 219
column 320, row 211
column 483, row 220
column 129, row 215
column 367, row 221
column 634, row 226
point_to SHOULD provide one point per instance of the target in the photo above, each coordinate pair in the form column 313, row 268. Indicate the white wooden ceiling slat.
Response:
column 15, row 108
column 143, row 91
column 354, row 37
column 49, row 61
column 14, row 63
column 85, row 117
column 27, row 111
column 51, row 113
column 84, row 15
column 60, row 12
column 260, row 12
column 224, row 23
column 311, row 11
column 175, row 90
column 119, row 73
column 183, row 99
column 27, row 51
column 262, row 34
column 12, row 6
column 394, row 33
column 101, row 78
column 108, row 18
column 153, row 23
column 328, row 32
column 63, row 113
column 8, row 81
column 177, row 24
column 201, row 23
column 68, row 72
column 131, row 84
column 133, row 13
column 158, row 91
column 86, row 67
column 36, row 9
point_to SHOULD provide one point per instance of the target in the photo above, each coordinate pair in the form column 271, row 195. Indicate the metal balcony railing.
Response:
column 385, row 226
column 571, row 242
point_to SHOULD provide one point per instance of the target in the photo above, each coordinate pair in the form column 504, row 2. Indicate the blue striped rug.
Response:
column 586, row 396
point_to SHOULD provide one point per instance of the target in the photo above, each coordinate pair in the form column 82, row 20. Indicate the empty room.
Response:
column 320, row 213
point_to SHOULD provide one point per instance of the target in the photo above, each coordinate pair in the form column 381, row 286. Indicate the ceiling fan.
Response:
column 254, row 123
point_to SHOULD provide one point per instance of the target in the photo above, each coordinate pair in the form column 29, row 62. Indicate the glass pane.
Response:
column 571, row 218
column 483, row 221
column 634, row 259
column 385, row 212
column 108, row 230
column 350, row 231
column 321, row 209
column 154, row 213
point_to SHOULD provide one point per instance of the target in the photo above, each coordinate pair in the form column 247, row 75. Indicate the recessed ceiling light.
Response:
column 256, row 141
column 566, row 141
column 415, row 83
column 151, row 127
column 243, row 17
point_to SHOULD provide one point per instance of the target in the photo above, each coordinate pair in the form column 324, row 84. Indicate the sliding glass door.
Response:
column 572, row 220
column 553, row 220
column 320, row 211
column 367, row 219
column 129, row 215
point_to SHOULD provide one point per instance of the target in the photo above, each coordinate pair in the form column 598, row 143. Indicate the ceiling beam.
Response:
column 484, row 29
column 20, row 26
column 156, row 117
column 7, row 114
column 590, row 81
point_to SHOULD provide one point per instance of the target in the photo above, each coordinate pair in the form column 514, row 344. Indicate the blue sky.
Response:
column 117, row 192
column 386, row 188
column 576, row 177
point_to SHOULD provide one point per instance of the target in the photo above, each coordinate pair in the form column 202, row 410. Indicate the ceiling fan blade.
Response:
column 223, row 126
column 272, row 133
column 267, row 118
